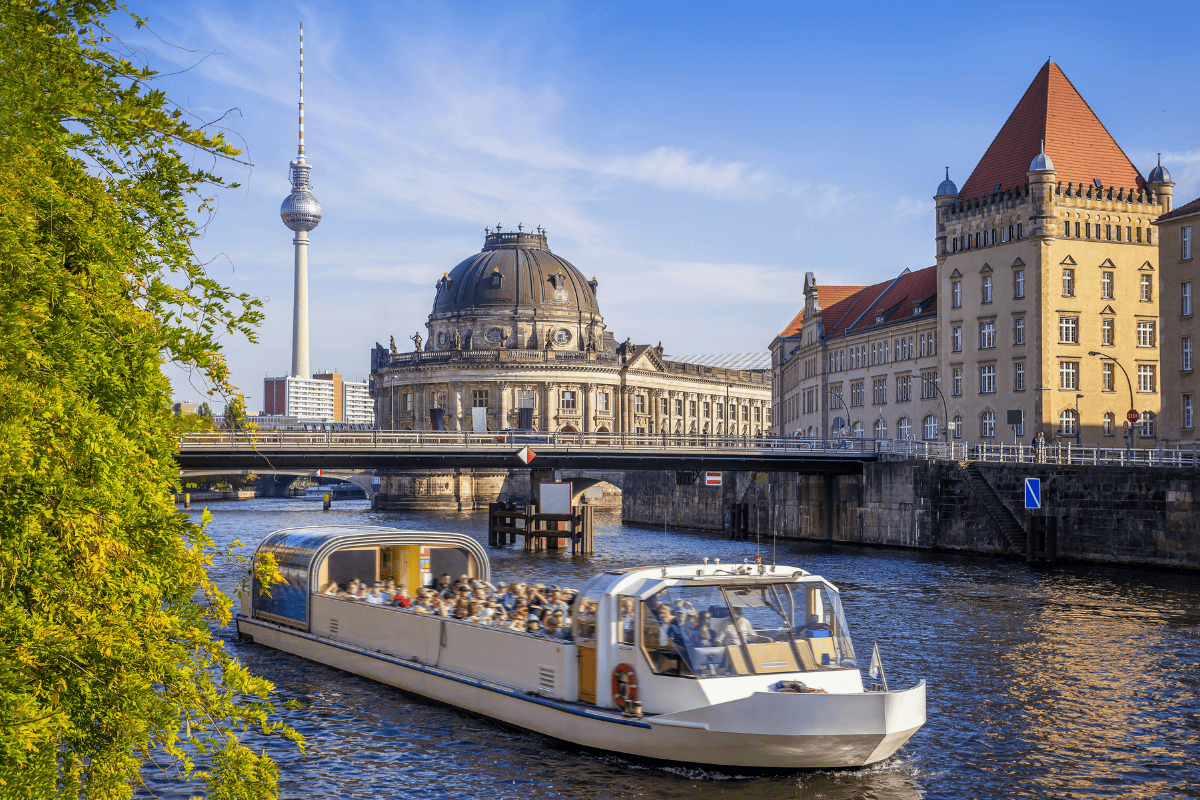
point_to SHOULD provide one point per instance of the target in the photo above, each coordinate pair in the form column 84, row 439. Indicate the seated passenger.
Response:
column 533, row 626
column 517, row 625
column 444, row 583
column 331, row 589
column 551, row 630
column 728, row 633
column 374, row 595
column 400, row 598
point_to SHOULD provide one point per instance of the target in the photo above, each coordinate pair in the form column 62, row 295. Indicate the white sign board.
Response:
column 479, row 419
column 713, row 478
column 555, row 498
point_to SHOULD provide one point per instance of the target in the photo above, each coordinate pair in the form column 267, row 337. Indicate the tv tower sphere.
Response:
column 300, row 210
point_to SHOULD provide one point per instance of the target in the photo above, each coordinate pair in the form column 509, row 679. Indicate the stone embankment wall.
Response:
column 1116, row 514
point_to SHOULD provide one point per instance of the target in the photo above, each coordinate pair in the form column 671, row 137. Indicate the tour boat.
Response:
column 719, row 665
column 336, row 491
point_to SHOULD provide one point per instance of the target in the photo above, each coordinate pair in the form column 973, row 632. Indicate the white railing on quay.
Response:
column 558, row 442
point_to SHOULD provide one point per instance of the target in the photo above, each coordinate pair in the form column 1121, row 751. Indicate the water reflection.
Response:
column 1075, row 681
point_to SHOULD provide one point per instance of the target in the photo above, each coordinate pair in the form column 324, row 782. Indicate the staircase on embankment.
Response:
column 1010, row 528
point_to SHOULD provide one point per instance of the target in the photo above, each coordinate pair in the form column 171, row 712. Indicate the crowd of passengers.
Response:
column 535, row 609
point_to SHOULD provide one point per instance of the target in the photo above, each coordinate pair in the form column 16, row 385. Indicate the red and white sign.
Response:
column 713, row 478
column 1133, row 416
column 525, row 454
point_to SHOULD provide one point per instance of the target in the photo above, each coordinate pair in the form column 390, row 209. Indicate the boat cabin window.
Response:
column 627, row 617
column 717, row 631
column 583, row 619
column 411, row 566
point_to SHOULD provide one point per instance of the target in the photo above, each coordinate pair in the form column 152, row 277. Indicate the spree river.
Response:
column 1075, row 681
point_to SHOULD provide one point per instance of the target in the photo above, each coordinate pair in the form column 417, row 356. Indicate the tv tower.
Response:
column 301, row 213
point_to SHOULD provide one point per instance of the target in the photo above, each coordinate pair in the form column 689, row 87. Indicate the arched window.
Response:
column 1068, row 422
column 880, row 429
column 1147, row 422
column 903, row 428
column 858, row 430
column 810, row 431
column 957, row 427
column 931, row 427
column 1109, row 423
column 650, row 426
column 987, row 425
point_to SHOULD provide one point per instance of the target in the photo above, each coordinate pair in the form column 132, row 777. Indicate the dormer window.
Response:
column 879, row 319
column 916, row 309
column 558, row 281
column 497, row 279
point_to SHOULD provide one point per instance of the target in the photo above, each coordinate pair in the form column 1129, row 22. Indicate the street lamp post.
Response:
column 945, row 413
column 1129, row 383
column 1078, row 422
column 837, row 396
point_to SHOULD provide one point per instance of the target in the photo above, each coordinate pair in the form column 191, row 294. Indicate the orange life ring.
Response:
column 624, row 686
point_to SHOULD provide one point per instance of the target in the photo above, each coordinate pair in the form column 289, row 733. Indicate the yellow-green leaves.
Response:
column 107, row 658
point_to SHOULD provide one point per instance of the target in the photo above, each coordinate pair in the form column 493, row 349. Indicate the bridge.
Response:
column 298, row 452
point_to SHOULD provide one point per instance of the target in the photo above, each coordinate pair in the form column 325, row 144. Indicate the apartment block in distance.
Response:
column 325, row 397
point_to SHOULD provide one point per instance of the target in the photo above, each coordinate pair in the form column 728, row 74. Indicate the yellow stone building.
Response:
column 1180, row 331
column 1047, row 266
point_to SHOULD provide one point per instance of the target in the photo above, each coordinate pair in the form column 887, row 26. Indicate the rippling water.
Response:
column 1074, row 681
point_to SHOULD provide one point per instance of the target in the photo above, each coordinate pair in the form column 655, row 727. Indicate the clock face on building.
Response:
column 562, row 336
column 493, row 335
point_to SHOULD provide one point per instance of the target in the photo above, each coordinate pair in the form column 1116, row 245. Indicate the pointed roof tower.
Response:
column 1082, row 148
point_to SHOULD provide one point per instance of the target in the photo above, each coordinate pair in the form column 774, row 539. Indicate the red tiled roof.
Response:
column 1077, row 142
column 843, row 314
column 909, row 288
column 828, row 296
column 1186, row 208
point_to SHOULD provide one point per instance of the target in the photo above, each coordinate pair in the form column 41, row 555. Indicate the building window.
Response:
column 1128, row 238
column 1109, row 375
column 1147, row 289
column 602, row 401
column 1068, row 283
column 987, row 425
column 479, row 398
column 1139, row 235
column 408, row 401
column 691, row 408
column 1108, row 232
column 921, row 345
column 1068, row 375
column 639, row 403
column 1019, row 376
column 746, row 409
column 1187, row 411
column 1145, row 332
column 1019, row 283
column 987, row 335
column 1077, row 230
column 1185, row 242
column 1068, row 330
column 525, row 398
column 1109, row 423
column 679, row 406
column 1185, row 299
column 931, row 427
column 928, row 385
column 1146, row 382
column 707, row 410
column 1148, row 236
column 879, row 391
column 1087, row 230
column 1107, row 326
column 1147, row 421
column 956, row 338
column 1019, row 330
column 1068, row 422
column 903, row 388
column 857, row 394
column 958, row 427
column 987, row 288
column 1185, row 354
column 903, row 428
column 956, row 293
column 957, row 387
column 1019, row 234
column 758, row 414
column 568, row 400
column 1106, row 285
column 1067, row 228
column 987, row 379
column 662, row 403
column 1118, row 233
column 880, row 428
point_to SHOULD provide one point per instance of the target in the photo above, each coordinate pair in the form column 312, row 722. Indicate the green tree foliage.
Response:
column 235, row 413
column 108, row 665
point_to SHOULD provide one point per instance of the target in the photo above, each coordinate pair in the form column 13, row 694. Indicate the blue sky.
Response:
column 698, row 158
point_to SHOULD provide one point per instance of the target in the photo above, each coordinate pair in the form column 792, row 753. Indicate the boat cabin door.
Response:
column 584, row 626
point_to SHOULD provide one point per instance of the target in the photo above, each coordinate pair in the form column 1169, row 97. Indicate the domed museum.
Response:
column 516, row 327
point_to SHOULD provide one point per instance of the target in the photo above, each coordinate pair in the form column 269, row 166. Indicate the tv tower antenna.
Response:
column 301, row 213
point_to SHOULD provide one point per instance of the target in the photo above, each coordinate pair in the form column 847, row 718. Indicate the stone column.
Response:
column 455, row 401
column 502, row 405
column 549, row 407
column 589, row 407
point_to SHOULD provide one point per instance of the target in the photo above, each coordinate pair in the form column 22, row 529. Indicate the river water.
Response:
column 1074, row 681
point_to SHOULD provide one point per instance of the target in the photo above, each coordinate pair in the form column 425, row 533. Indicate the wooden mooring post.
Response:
column 542, row 531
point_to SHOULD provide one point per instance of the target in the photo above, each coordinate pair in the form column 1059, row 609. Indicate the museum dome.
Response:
column 516, row 271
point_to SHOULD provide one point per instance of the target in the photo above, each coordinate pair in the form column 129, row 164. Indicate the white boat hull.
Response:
column 808, row 731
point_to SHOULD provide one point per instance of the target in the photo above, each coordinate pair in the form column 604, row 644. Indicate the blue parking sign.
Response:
column 1033, row 492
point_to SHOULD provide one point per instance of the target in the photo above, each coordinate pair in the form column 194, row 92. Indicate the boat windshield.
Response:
column 714, row 630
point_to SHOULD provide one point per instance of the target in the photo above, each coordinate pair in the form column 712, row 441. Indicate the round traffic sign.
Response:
column 1132, row 416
